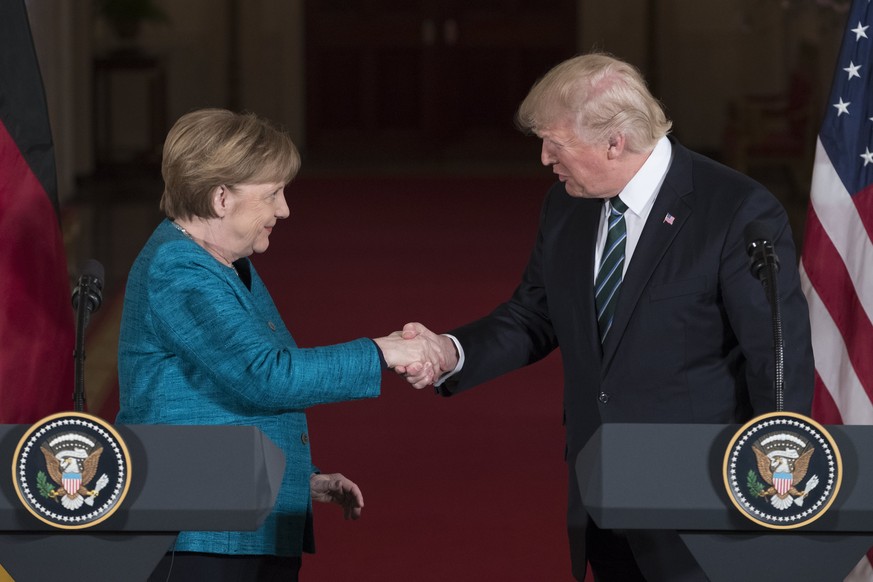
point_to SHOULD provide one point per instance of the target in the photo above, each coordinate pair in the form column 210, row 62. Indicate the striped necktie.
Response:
column 611, row 267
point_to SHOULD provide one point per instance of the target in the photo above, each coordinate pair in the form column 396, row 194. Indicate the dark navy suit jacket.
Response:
column 692, row 338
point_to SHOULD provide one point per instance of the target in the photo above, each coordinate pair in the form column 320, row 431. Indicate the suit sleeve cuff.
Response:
column 458, row 367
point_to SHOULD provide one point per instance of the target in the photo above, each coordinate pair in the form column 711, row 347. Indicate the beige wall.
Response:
column 56, row 27
column 195, row 46
column 271, row 60
column 708, row 53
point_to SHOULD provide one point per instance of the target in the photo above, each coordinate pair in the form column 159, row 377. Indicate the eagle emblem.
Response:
column 782, row 470
column 71, row 470
column 783, row 462
column 71, row 461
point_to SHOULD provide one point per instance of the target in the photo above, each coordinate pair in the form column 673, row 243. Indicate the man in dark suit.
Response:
column 681, row 331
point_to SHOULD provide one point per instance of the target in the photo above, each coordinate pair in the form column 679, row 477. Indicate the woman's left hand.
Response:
column 335, row 488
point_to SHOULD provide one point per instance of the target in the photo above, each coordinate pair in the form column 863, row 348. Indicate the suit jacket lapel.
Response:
column 671, row 209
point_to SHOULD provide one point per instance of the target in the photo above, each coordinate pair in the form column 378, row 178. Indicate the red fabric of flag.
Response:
column 37, row 334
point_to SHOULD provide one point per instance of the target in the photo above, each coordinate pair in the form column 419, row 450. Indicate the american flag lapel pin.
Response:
column 669, row 218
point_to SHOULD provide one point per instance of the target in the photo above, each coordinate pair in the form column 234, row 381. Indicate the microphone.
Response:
column 759, row 246
column 90, row 286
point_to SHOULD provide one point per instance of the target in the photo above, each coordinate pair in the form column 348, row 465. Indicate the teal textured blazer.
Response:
column 199, row 346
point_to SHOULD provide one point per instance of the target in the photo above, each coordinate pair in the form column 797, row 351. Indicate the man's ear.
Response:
column 616, row 145
column 219, row 201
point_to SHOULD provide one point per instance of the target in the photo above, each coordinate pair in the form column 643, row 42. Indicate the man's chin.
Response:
column 575, row 191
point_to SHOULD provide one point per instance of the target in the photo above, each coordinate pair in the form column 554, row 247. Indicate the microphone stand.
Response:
column 772, row 291
column 87, row 297
column 83, row 315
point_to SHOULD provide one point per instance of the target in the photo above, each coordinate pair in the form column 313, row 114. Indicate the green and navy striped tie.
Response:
column 611, row 267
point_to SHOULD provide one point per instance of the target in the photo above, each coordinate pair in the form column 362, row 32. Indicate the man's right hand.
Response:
column 443, row 346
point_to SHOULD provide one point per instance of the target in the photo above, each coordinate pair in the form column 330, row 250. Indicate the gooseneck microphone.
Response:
column 764, row 266
column 759, row 245
column 87, row 298
column 90, row 286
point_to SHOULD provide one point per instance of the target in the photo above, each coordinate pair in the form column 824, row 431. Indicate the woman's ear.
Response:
column 219, row 201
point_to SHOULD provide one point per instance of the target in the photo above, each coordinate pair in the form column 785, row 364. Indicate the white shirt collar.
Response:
column 640, row 192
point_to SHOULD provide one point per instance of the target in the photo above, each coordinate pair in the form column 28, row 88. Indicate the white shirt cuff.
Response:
column 459, row 365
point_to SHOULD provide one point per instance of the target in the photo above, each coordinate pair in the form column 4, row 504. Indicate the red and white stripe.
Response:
column 836, row 272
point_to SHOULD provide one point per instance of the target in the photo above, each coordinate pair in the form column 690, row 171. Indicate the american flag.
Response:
column 837, row 260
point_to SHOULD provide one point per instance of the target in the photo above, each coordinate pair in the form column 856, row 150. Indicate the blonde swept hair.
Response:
column 602, row 95
column 208, row 148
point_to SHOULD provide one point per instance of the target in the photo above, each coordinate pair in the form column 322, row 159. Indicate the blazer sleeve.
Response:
column 517, row 333
column 749, row 312
column 198, row 312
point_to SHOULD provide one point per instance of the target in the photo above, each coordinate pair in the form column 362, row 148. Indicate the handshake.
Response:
column 418, row 354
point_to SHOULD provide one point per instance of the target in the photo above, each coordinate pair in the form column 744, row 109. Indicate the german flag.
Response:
column 37, row 334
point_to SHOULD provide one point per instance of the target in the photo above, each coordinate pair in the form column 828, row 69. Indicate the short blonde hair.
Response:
column 602, row 95
column 208, row 148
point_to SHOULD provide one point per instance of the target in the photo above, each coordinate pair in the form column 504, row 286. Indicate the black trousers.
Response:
column 640, row 556
column 197, row 567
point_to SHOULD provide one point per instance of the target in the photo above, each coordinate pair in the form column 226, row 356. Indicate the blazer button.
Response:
column 271, row 325
column 304, row 438
column 603, row 398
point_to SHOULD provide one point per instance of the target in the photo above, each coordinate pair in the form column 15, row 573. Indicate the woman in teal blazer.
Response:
column 203, row 343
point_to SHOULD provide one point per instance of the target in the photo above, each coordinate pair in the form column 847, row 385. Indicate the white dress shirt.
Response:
column 639, row 195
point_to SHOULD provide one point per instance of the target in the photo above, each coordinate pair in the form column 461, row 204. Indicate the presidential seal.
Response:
column 71, row 470
column 782, row 470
